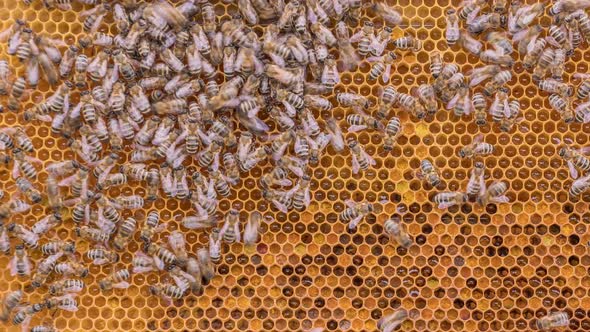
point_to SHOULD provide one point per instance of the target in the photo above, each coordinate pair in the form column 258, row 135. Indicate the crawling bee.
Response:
column 71, row 268
column 448, row 199
column 27, row 236
column 230, row 232
column 101, row 256
column 151, row 227
column 575, row 158
column 476, row 148
column 476, row 184
column 355, row 212
column 361, row 160
column 392, row 131
column 494, row 194
column 397, row 232
column 360, row 121
column 382, row 66
column 9, row 303
column 252, row 228
column 117, row 279
column 66, row 286
column 177, row 243
column 167, row 291
column 553, row 320
column 20, row 264
column 25, row 187
column 428, row 173
column 124, row 233
column 391, row 322
column 408, row 43
column 579, row 186
column 161, row 255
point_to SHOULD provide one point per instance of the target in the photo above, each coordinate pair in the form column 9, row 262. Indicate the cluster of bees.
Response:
column 195, row 98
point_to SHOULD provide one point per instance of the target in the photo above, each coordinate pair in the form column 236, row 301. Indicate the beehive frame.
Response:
column 470, row 269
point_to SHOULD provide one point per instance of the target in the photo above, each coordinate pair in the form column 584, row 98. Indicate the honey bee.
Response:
column 43, row 328
column 575, row 158
column 436, row 64
column 336, row 136
column 534, row 51
column 553, row 86
column 71, row 268
column 479, row 105
column 124, row 233
column 579, row 186
column 4, row 240
column 481, row 23
column 408, row 43
column 282, row 200
column 151, row 226
column 20, row 264
column 361, row 121
column 471, row 44
column 206, row 266
column 46, row 224
column 361, row 160
column 497, row 82
column 230, row 232
column 392, row 132
column 54, row 247
column 66, row 286
column 44, row 269
column 452, row 33
column 450, row 198
column 93, row 17
column 65, row 302
column 29, row 238
column 426, row 94
column 428, row 173
column 9, row 303
column 382, row 66
column 253, row 228
column 177, row 243
column 355, row 212
column 494, row 194
column 391, row 322
column 476, row 185
column 167, row 291
column 92, row 234
column 26, row 313
column 27, row 189
column 117, row 279
column 100, row 256
column 161, row 255
column 476, row 148
column 553, row 320
column 387, row 13
column 397, row 232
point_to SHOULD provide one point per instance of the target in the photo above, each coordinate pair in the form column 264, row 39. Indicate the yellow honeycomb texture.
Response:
column 470, row 268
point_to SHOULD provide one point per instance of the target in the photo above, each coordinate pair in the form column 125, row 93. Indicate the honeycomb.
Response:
column 471, row 268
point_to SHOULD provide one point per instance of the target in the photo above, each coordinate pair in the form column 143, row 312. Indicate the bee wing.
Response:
column 473, row 15
column 280, row 206
column 237, row 232
column 355, row 128
column 552, row 41
column 122, row 285
column 507, row 110
column 445, row 205
column 573, row 170
column 306, row 198
column 354, row 222
column 16, row 170
column 482, row 186
column 451, row 104
column 355, row 165
column 478, row 138
column 500, row 199
column 584, row 150
column 581, row 76
column 12, row 265
column 370, row 159
column 386, row 74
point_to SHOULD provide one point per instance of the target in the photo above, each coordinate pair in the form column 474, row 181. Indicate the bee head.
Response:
column 562, row 152
column 462, row 153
